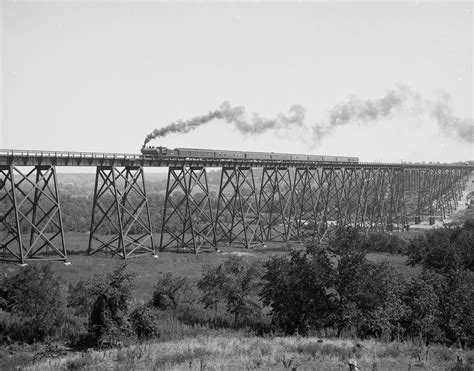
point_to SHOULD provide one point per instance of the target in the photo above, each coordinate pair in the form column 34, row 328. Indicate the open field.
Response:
column 148, row 269
column 194, row 346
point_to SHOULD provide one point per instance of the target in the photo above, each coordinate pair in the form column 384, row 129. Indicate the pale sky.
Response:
column 99, row 76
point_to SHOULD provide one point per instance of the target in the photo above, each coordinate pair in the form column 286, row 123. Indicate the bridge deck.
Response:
column 65, row 158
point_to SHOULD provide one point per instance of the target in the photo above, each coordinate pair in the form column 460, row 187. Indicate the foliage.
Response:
column 367, row 296
column 441, row 301
column 296, row 289
column 441, row 307
column 105, row 300
column 144, row 322
column 337, row 287
column 347, row 240
column 170, row 291
column 385, row 242
column 422, row 316
column 34, row 295
column 444, row 250
column 457, row 307
column 234, row 282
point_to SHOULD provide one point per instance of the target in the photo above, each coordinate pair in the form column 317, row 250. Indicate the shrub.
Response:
column 422, row 317
column 105, row 300
column 457, row 307
column 296, row 290
column 385, row 242
column 366, row 296
column 170, row 291
column 34, row 295
column 234, row 282
column 443, row 250
column 348, row 240
column 144, row 322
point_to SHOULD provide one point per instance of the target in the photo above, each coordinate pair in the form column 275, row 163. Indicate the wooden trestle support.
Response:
column 120, row 222
column 30, row 215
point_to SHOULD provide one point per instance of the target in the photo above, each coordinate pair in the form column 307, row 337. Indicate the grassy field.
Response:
column 235, row 351
column 148, row 269
column 185, row 346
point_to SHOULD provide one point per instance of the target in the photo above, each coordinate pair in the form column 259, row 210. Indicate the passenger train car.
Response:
column 239, row 155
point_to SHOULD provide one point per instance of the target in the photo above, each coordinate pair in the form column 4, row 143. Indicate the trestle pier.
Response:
column 256, row 202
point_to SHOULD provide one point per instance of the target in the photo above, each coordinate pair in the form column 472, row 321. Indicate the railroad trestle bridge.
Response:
column 257, row 201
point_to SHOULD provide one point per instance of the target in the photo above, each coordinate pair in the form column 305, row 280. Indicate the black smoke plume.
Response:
column 462, row 128
column 234, row 115
column 356, row 110
column 364, row 110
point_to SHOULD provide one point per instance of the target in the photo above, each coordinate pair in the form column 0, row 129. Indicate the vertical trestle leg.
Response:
column 188, row 221
column 29, row 206
column 120, row 222
column 238, row 217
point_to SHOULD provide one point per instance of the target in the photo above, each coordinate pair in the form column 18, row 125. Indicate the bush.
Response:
column 34, row 295
column 443, row 250
column 385, row 242
column 170, row 291
column 457, row 308
column 348, row 240
column 234, row 282
column 144, row 322
column 296, row 289
column 422, row 317
column 366, row 296
column 441, row 307
column 105, row 300
column 336, row 288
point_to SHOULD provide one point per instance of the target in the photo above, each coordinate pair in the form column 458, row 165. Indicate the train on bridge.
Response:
column 240, row 155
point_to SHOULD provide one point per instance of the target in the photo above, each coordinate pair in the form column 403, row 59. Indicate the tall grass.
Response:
column 234, row 351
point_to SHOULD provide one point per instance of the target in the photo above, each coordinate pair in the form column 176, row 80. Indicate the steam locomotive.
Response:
column 238, row 155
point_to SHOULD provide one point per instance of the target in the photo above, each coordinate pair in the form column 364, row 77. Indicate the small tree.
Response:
column 144, row 322
column 457, row 307
column 34, row 294
column 105, row 300
column 422, row 319
column 234, row 282
column 170, row 291
column 366, row 296
column 296, row 289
